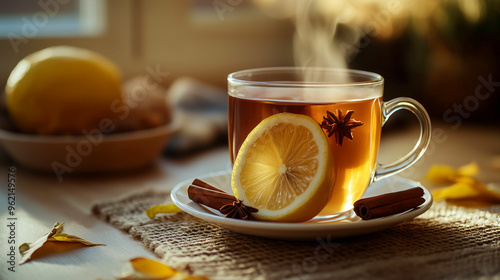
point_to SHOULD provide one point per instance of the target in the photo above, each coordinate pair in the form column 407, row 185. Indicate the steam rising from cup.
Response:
column 320, row 41
column 329, row 33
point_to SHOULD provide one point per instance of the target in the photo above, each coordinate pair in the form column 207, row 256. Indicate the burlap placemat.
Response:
column 447, row 242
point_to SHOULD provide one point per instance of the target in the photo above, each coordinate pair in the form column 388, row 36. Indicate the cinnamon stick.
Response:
column 389, row 204
column 205, row 185
column 209, row 196
column 213, row 197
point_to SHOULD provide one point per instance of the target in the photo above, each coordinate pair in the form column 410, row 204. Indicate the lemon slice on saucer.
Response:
column 284, row 169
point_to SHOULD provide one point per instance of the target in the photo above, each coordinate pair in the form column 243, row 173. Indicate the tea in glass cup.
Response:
column 348, row 106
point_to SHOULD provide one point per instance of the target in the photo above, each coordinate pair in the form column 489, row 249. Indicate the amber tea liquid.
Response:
column 355, row 160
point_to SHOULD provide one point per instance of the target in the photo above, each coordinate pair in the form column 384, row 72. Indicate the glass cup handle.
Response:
column 388, row 108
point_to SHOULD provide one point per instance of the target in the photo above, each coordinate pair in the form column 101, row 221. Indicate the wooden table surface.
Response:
column 41, row 200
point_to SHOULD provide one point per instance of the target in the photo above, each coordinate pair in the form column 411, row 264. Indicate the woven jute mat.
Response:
column 447, row 242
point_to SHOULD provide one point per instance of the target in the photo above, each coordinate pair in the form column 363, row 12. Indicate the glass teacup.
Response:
column 347, row 104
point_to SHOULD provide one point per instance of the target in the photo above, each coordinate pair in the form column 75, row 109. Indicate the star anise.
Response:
column 238, row 210
column 339, row 125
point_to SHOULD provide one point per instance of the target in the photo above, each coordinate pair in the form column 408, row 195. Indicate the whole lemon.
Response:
column 62, row 90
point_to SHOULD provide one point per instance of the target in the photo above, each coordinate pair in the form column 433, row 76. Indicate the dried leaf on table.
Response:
column 27, row 249
column 63, row 237
column 162, row 209
column 441, row 173
column 53, row 237
column 147, row 269
column 465, row 189
column 490, row 190
column 456, row 191
column 468, row 170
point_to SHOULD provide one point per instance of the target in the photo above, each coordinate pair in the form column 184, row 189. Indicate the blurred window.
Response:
column 51, row 18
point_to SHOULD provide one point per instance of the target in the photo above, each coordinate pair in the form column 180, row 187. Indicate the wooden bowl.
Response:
column 92, row 152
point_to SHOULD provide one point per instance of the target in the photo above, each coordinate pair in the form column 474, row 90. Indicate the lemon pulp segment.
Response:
column 283, row 168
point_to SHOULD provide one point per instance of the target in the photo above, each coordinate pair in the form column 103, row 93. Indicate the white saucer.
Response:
column 351, row 225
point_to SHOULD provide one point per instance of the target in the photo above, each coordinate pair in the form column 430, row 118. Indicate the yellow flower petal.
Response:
column 459, row 190
column 441, row 174
column 152, row 269
column 469, row 170
column 162, row 209
column 448, row 174
column 491, row 191
column 465, row 180
column 466, row 190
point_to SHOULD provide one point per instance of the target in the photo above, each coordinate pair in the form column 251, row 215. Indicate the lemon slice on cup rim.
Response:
column 284, row 169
